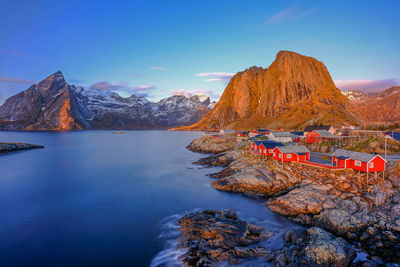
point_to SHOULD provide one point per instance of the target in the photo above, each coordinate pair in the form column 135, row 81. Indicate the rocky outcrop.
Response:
column 313, row 247
column 303, row 200
column 211, row 144
column 214, row 236
column 294, row 90
column 53, row 104
column 257, row 179
column 11, row 147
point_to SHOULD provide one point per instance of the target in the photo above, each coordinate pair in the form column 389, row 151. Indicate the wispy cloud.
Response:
column 5, row 79
column 13, row 52
column 136, row 75
column 190, row 93
column 366, row 86
column 290, row 13
column 216, row 76
column 157, row 68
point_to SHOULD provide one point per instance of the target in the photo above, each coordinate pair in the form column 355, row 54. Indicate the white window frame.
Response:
column 270, row 150
column 280, row 155
column 289, row 156
column 371, row 164
column 265, row 151
column 357, row 163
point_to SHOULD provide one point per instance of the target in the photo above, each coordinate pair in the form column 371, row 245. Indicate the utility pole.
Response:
column 385, row 146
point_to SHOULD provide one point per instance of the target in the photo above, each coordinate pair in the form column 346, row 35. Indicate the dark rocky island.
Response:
column 340, row 202
column 12, row 147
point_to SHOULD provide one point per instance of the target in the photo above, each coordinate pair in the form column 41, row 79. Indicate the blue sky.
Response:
column 158, row 48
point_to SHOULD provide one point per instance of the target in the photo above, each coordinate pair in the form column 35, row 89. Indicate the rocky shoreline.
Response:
column 12, row 147
column 212, row 236
column 215, row 236
column 340, row 202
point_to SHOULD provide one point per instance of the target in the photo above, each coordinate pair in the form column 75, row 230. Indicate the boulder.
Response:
column 395, row 211
column 259, row 181
column 305, row 199
column 213, row 236
column 207, row 144
column 341, row 221
column 313, row 247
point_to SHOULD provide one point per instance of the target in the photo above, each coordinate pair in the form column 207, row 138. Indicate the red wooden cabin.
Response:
column 259, row 131
column 242, row 134
column 359, row 161
column 317, row 135
column 291, row 153
column 265, row 147
column 266, row 150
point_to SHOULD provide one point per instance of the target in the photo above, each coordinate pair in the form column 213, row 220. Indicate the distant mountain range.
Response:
column 294, row 91
column 381, row 107
column 53, row 104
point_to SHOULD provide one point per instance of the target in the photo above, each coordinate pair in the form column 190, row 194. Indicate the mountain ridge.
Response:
column 53, row 104
column 383, row 107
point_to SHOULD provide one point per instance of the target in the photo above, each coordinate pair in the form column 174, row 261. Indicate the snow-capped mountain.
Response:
column 180, row 110
column 355, row 95
column 53, row 104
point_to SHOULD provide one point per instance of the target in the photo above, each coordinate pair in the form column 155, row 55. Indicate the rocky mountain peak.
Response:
column 54, row 82
column 294, row 90
column 282, row 54
column 355, row 95
column 391, row 91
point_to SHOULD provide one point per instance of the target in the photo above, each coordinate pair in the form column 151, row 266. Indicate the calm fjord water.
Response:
column 98, row 198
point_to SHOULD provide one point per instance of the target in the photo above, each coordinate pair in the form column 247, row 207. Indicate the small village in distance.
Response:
column 324, row 146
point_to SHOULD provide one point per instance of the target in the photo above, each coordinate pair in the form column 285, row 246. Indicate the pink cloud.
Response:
column 106, row 85
column 4, row 79
column 123, row 88
column 157, row 68
column 143, row 88
column 366, row 86
column 182, row 92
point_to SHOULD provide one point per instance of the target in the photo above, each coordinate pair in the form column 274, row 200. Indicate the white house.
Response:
column 226, row 131
column 282, row 137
